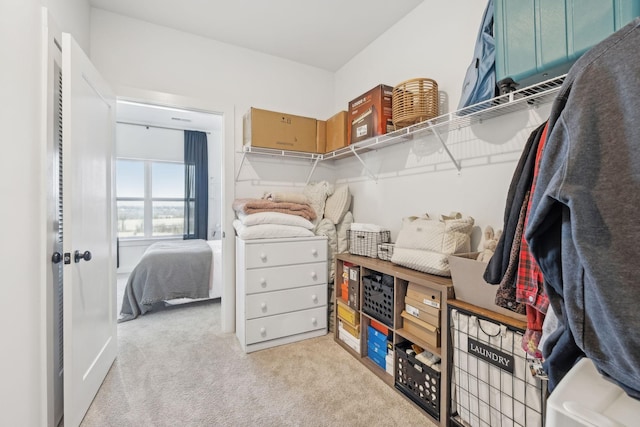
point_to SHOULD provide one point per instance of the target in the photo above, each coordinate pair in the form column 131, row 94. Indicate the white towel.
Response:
column 359, row 226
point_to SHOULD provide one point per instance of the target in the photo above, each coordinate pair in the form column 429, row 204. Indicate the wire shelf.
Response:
column 521, row 99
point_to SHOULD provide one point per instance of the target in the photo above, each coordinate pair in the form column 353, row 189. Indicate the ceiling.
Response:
column 324, row 34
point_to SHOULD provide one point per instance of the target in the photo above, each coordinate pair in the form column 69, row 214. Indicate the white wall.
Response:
column 72, row 16
column 436, row 41
column 22, row 256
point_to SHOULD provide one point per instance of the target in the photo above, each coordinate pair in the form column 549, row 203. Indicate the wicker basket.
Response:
column 414, row 101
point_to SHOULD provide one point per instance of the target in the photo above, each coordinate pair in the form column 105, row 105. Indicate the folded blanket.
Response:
column 251, row 206
column 269, row 231
column 274, row 218
column 287, row 197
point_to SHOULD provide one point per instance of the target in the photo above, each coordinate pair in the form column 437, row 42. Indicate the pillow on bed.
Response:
column 269, row 231
column 275, row 218
column 317, row 193
column 338, row 204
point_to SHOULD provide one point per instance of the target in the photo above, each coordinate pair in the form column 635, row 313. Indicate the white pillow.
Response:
column 275, row 218
column 341, row 229
column 338, row 204
column 317, row 193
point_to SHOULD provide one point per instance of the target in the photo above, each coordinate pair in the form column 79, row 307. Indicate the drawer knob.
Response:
column 263, row 332
column 314, row 275
column 314, row 321
column 263, row 306
column 263, row 282
column 314, row 252
column 314, row 298
column 263, row 257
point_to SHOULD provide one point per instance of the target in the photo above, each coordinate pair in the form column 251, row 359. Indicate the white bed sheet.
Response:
column 215, row 286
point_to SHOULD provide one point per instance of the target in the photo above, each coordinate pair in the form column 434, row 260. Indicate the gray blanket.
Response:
column 167, row 270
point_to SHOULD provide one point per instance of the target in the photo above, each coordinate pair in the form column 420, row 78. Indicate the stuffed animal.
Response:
column 489, row 244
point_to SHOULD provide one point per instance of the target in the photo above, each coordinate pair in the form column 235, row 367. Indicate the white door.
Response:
column 89, row 236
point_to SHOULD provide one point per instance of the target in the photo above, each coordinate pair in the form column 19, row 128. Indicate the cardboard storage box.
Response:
column 370, row 114
column 348, row 314
column 423, row 312
column 426, row 332
column 270, row 129
column 424, row 295
column 337, row 134
column 469, row 286
column 354, row 288
column 321, row 136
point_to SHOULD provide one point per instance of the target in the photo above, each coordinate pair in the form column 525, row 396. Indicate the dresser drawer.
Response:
column 285, row 277
column 285, row 253
column 278, row 302
column 281, row 325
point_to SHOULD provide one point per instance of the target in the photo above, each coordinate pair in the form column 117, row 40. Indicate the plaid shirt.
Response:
column 529, row 280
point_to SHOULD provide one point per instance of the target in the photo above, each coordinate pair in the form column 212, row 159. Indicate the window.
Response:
column 150, row 198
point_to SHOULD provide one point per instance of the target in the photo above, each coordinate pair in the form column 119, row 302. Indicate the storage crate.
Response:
column 385, row 251
column 419, row 382
column 366, row 243
column 378, row 297
column 491, row 382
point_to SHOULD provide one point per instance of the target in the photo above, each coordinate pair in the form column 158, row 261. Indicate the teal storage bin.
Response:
column 537, row 40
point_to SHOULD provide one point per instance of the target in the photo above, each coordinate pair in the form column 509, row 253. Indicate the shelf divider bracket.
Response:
column 313, row 168
column 444, row 145
column 244, row 155
column 375, row 178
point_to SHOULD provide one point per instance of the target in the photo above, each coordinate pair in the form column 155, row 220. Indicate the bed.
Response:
column 170, row 271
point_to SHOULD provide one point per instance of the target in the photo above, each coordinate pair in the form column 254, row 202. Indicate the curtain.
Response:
column 196, row 191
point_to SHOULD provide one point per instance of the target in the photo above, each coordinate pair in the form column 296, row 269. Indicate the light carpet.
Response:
column 176, row 368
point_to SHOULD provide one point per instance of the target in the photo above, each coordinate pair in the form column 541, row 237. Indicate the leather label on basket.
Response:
column 495, row 357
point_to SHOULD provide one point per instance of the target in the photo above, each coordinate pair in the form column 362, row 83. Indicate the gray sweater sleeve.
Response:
column 582, row 228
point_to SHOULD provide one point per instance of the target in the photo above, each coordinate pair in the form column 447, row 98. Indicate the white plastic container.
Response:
column 586, row 398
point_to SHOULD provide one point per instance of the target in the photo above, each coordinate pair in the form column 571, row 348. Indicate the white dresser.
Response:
column 281, row 291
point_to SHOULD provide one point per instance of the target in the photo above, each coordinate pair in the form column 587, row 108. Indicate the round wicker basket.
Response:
column 414, row 101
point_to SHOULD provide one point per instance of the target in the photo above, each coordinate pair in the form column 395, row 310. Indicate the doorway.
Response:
column 150, row 178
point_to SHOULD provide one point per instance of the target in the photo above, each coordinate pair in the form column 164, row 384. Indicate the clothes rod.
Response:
column 161, row 127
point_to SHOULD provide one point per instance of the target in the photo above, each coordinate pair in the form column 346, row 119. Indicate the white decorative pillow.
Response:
column 327, row 228
column 275, row 218
column 317, row 193
column 341, row 229
column 338, row 204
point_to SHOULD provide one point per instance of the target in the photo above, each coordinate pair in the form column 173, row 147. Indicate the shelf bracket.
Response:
column 315, row 163
column 244, row 155
column 444, row 145
column 375, row 178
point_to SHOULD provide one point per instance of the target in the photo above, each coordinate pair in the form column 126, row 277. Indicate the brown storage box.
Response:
column 421, row 311
column 348, row 315
column 270, row 129
column 469, row 285
column 337, row 134
column 370, row 114
column 423, row 330
column 423, row 294
column 321, row 136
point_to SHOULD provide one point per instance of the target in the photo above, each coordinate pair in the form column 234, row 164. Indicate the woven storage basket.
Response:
column 414, row 101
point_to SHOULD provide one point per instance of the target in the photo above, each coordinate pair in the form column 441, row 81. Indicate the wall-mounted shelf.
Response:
column 518, row 100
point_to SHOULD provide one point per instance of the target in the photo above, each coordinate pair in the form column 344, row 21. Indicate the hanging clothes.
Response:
column 583, row 229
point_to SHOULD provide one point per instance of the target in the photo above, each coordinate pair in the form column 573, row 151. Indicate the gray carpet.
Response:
column 175, row 368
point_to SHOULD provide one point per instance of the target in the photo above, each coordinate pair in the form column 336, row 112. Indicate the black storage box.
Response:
column 417, row 381
column 377, row 300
